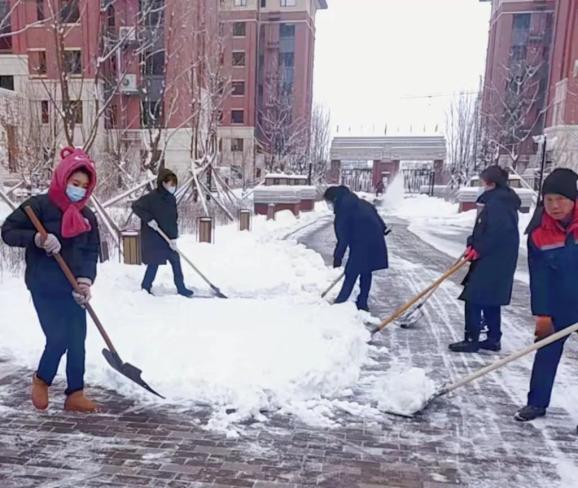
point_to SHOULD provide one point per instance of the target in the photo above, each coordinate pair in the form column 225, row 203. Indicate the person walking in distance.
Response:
column 158, row 211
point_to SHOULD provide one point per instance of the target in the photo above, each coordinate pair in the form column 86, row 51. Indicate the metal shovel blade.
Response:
column 127, row 370
column 218, row 292
column 409, row 319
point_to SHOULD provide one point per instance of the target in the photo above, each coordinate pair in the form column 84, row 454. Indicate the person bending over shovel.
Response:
column 493, row 252
column 158, row 211
column 358, row 227
column 72, row 232
column 553, row 262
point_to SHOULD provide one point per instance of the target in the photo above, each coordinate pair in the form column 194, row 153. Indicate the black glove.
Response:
column 337, row 262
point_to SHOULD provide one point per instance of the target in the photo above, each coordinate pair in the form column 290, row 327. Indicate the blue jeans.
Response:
column 365, row 280
column 492, row 317
column 151, row 273
column 63, row 322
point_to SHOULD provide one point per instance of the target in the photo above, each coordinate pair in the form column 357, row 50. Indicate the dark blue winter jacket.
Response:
column 159, row 205
column 359, row 227
column 496, row 238
column 553, row 261
column 43, row 275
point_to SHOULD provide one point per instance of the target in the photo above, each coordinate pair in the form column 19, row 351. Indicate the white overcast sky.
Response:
column 377, row 61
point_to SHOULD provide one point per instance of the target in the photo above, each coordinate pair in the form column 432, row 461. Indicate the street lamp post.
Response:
column 543, row 140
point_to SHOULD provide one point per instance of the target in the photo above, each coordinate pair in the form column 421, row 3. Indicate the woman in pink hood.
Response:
column 72, row 232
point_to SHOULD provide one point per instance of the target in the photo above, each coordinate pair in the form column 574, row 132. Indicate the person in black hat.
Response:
column 553, row 262
column 358, row 227
column 492, row 250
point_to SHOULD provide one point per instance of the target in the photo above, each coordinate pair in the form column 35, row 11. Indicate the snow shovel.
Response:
column 337, row 280
column 414, row 314
column 403, row 309
column 190, row 263
column 448, row 388
column 111, row 355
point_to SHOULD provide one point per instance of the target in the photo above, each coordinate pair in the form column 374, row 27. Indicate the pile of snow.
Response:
column 275, row 344
column 404, row 391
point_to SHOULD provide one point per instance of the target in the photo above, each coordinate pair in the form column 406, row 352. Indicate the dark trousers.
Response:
column 364, row 285
column 151, row 272
column 492, row 317
column 64, row 325
column 544, row 373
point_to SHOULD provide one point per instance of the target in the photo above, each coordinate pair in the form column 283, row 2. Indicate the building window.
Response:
column 73, row 111
column 519, row 53
column 37, row 63
column 69, row 12
column 239, row 29
column 220, row 116
column 237, row 116
column 521, row 29
column 237, row 144
column 151, row 113
column 110, row 16
column 238, row 88
column 263, row 3
column 153, row 11
column 287, row 59
column 7, row 82
column 239, row 58
column 110, row 117
column 240, row 3
column 287, row 30
column 73, row 61
column 154, row 63
column 40, row 10
column 288, row 3
column 5, row 26
column 44, row 112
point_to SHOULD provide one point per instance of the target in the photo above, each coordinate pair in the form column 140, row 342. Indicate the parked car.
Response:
column 468, row 195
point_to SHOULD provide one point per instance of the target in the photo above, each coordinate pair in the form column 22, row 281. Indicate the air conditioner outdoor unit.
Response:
column 129, row 85
column 127, row 34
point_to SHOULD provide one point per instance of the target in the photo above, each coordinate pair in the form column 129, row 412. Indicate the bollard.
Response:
column 271, row 211
column 131, row 246
column 206, row 230
column 244, row 220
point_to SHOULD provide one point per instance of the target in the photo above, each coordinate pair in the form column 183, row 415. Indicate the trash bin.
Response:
column 131, row 246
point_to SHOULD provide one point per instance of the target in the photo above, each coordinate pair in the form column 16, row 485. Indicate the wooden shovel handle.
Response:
column 404, row 308
column 69, row 276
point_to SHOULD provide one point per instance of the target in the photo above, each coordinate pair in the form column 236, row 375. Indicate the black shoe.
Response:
column 491, row 346
column 465, row 346
column 185, row 292
column 147, row 289
column 529, row 412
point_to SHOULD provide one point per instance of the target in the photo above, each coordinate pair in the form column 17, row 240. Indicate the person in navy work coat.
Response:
column 553, row 262
column 158, row 210
column 493, row 252
column 358, row 227
column 73, row 232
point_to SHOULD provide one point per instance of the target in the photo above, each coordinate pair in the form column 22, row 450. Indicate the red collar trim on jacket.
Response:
column 551, row 234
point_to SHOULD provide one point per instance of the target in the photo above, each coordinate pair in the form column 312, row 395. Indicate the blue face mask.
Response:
column 75, row 193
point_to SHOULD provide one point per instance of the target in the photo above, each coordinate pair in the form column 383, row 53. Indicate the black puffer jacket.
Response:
column 159, row 205
column 43, row 274
column 359, row 227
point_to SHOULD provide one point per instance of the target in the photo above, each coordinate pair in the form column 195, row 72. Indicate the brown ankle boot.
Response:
column 77, row 402
column 39, row 393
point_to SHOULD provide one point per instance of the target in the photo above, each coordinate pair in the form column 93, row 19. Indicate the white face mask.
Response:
column 170, row 188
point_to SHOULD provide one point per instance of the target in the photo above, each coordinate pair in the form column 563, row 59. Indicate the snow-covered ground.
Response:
column 275, row 344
